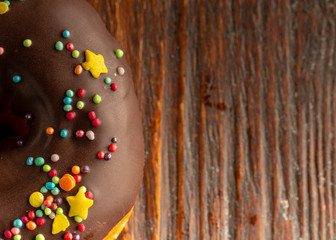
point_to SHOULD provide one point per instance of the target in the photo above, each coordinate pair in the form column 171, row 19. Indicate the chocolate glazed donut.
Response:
column 66, row 99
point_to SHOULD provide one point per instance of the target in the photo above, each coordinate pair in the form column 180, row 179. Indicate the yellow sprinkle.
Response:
column 3, row 8
column 36, row 199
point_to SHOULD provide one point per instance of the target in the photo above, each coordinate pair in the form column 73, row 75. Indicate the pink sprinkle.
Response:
column 2, row 51
column 15, row 230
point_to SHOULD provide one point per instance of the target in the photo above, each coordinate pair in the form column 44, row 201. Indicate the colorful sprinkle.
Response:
column 80, row 105
column 39, row 237
column 108, row 80
column 18, row 223
column 114, row 140
column 17, row 79
column 113, row 147
column 90, row 135
column 121, row 71
column 89, row 195
column 31, row 215
column 27, row 43
column 69, row 93
column 94, row 63
column 50, row 186
column 39, row 161
column 55, row 157
column 2, row 51
column 55, row 191
column 39, row 213
column 114, row 87
column 78, row 178
column 36, row 199
column 64, row 133
column 61, row 223
column 79, row 133
column 52, row 173
column 40, row 221
column 50, row 131
column 67, row 108
column 67, row 100
column 30, row 161
column 96, row 99
column 85, row 169
column 17, row 237
column 43, row 189
column 81, row 228
column 92, row 115
column 46, row 168
column 8, row 234
column 24, row 219
column 59, row 46
column 66, row 33
column 70, row 47
column 68, row 236
column 80, row 93
column 31, row 225
column 55, row 180
column 78, row 70
column 70, row 115
column 108, row 156
column 67, row 182
column 75, row 170
column 75, row 54
column 3, row 8
column 59, row 211
column 79, row 204
column 76, row 236
column 119, row 53
column 100, row 155
column 95, row 122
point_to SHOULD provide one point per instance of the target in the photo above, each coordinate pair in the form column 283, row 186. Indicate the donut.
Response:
column 71, row 138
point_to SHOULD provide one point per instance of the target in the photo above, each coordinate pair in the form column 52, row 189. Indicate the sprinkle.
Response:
column 17, row 79
column 67, row 108
column 50, row 131
column 8, row 233
column 60, row 223
column 85, row 169
column 31, row 225
column 81, row 228
column 55, row 157
column 100, row 155
column 82, row 188
column 80, row 105
column 50, row 186
column 52, row 215
column 113, row 147
column 68, row 236
column 47, row 211
column 78, row 178
column 66, row 34
column 121, row 71
column 108, row 80
column 53, row 206
column 96, row 99
column 70, row 47
column 7, row 2
column 69, row 93
column 78, row 219
column 59, row 46
column 55, row 191
column 96, row 122
column 30, row 161
column 46, row 168
column 94, row 63
column 90, row 135
column 28, row 116
column 79, row 204
column 27, row 43
column 80, row 93
column 89, row 195
column 55, row 180
column 79, row 133
column 17, row 237
column 108, row 156
column 78, row 70
column 36, row 199
column 2, row 51
column 67, row 100
column 50, row 198
column 70, row 115
column 119, row 53
column 75, row 54
column 19, row 143
column 15, row 230
column 31, row 215
column 114, row 140
column 114, row 87
column 39, row 237
column 58, row 201
column 3, row 8
column 43, row 189
column 64, row 133
column 24, row 219
column 92, row 115
column 76, row 236
column 75, row 169
column 18, row 223
column 47, row 203
column 59, row 211
column 39, row 161
column 40, row 221
column 39, row 213
column 67, row 182
column 52, row 173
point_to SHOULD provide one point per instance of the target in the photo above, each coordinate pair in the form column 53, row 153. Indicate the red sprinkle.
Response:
column 68, row 236
column 89, row 195
column 114, row 87
column 8, row 234
column 52, row 173
column 78, row 178
column 101, row 155
column 47, row 203
column 92, row 115
column 80, row 133
column 81, row 228
column 70, row 47
column 31, row 215
column 70, row 115
column 95, row 122
column 81, row 93
column 113, row 147
column 24, row 219
column 40, row 221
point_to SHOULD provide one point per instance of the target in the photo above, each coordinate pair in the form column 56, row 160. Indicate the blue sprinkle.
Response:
column 64, row 133
column 18, row 223
column 17, row 79
column 67, row 100
column 30, row 161
column 50, row 185
column 66, row 34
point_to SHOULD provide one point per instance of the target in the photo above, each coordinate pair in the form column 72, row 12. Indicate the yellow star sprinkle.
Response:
column 94, row 63
column 79, row 204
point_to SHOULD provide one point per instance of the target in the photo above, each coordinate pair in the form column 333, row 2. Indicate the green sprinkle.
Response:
column 17, row 237
column 43, row 189
column 82, row 188
column 59, row 46
column 108, row 80
column 75, row 54
column 39, row 161
column 69, row 93
column 47, row 211
column 55, row 180
column 39, row 237
column 43, row 207
column 39, row 213
column 59, row 211
column 7, row 2
column 80, row 105
column 67, row 108
column 46, row 168
column 119, row 53
column 78, row 219
column 55, row 191
column 27, row 43
column 97, row 99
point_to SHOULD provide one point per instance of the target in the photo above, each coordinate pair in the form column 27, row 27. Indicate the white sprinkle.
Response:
column 90, row 135
column 121, row 71
column 55, row 157
column 52, row 215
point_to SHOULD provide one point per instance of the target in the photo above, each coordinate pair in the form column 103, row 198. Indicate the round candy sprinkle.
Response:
column 78, row 219
column 82, row 188
column 39, row 161
column 40, row 221
column 39, row 237
column 52, row 173
column 67, row 100
column 100, row 155
column 39, row 213
column 64, row 133
column 15, row 230
column 75, row 169
column 67, row 182
column 80, row 93
column 19, row 143
column 17, row 79
column 78, row 69
column 114, row 140
column 8, row 234
column 58, row 200
column 31, row 225
column 113, row 147
column 59, row 46
column 81, row 228
column 50, row 131
column 68, row 236
column 46, row 168
column 59, row 211
column 114, row 87
column 43, row 189
column 70, row 47
column 47, row 211
column 80, row 105
column 79, row 133
column 53, row 207
column 108, row 156
column 50, row 198
column 17, row 237
column 55, row 180
column 2, row 51
column 50, row 186
column 55, row 157
column 52, row 215
column 24, row 219
column 66, row 33
column 121, row 71
column 28, row 116
column 55, row 191
column 43, row 207
column 119, row 53
column 47, row 203
column 90, row 135
column 7, row 2
column 76, row 236
column 69, row 93
column 96, row 99
column 75, row 54
column 67, row 108
column 92, row 115
column 96, row 122
column 27, row 43
column 30, row 161
column 85, row 169
column 18, row 223
column 78, row 178
column 70, row 115
column 108, row 80
column 89, row 195
column 31, row 215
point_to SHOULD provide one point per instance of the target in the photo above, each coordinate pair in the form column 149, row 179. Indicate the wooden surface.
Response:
column 239, row 113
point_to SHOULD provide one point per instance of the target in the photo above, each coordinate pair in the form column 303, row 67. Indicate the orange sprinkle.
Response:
column 75, row 170
column 31, row 225
column 50, row 131
column 50, row 198
column 67, row 182
column 78, row 69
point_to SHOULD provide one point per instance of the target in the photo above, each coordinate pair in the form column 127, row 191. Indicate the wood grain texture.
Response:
column 239, row 113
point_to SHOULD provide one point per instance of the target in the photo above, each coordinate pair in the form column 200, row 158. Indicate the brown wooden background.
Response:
column 239, row 110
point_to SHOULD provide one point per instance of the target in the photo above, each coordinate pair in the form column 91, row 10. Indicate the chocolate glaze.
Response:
column 46, row 75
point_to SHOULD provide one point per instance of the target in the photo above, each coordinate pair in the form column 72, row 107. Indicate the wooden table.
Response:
column 239, row 114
